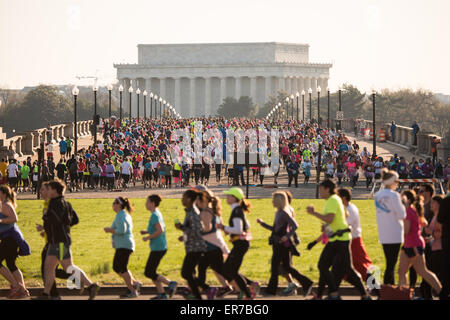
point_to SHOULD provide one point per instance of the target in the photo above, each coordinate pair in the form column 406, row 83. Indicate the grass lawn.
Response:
column 93, row 252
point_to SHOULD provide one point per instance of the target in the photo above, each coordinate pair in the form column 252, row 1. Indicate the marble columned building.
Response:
column 195, row 78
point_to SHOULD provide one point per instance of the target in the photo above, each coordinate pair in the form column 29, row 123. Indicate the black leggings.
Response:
column 233, row 263
column 339, row 249
column 59, row 273
column 191, row 260
column 152, row 264
column 391, row 252
column 9, row 251
column 120, row 262
column 212, row 259
column 282, row 256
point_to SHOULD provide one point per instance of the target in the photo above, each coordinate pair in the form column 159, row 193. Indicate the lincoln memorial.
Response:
column 195, row 78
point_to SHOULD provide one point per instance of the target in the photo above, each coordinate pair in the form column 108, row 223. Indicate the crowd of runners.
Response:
column 413, row 224
column 139, row 153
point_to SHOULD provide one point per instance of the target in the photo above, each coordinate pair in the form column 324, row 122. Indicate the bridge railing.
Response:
column 403, row 136
column 26, row 144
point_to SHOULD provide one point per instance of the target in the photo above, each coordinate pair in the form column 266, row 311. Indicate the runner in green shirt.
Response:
column 25, row 176
column 338, row 246
column 69, row 146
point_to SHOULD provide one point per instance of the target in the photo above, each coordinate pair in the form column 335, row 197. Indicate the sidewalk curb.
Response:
column 148, row 290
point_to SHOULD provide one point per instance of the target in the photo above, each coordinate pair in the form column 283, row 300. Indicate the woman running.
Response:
column 59, row 273
column 211, row 211
column 412, row 253
column 12, row 244
column 58, row 220
column 390, row 215
column 156, row 231
column 193, row 240
column 123, row 242
column 239, row 231
column 283, row 244
column 338, row 244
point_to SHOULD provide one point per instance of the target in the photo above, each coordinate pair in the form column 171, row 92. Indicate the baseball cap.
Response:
column 235, row 192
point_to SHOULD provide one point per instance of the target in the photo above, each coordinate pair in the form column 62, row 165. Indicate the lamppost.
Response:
column 120, row 104
column 160, row 106
column 292, row 107
column 303, row 105
column 297, row 95
column 138, row 92
column 279, row 110
column 151, row 104
column 374, row 152
column 95, row 89
column 277, row 113
column 145, row 104
column 319, row 89
column 287, row 107
column 340, row 107
column 130, row 90
column 110, row 87
column 310, row 104
column 161, row 112
column 328, row 114
column 75, row 92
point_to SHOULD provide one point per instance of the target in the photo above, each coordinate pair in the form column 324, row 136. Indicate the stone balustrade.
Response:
column 403, row 136
column 27, row 143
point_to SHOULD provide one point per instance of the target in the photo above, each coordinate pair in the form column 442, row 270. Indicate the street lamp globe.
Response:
column 130, row 89
column 160, row 99
column 138, row 91
column 95, row 88
column 121, row 88
column 151, row 94
column 328, row 90
column 297, row 94
column 145, row 93
column 156, row 97
column 319, row 89
column 303, row 92
column 75, row 91
column 164, row 102
column 279, row 104
column 309, row 90
column 110, row 87
column 292, row 96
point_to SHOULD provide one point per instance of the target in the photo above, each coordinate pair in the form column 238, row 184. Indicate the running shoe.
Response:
column 93, row 290
column 307, row 290
column 21, row 294
column 13, row 292
column 223, row 291
column 160, row 296
column 240, row 295
column 211, row 293
column 291, row 290
column 172, row 288
column 129, row 295
column 255, row 288
column 137, row 286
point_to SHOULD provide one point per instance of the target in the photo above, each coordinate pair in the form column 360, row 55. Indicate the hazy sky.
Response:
column 372, row 43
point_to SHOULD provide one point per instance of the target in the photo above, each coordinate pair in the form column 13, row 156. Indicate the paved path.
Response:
column 307, row 191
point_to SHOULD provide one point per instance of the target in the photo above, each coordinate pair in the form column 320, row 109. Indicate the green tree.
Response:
column 40, row 106
column 231, row 108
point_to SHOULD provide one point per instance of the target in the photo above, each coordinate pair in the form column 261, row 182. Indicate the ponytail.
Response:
column 125, row 204
column 245, row 205
column 216, row 206
column 417, row 203
column 10, row 194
